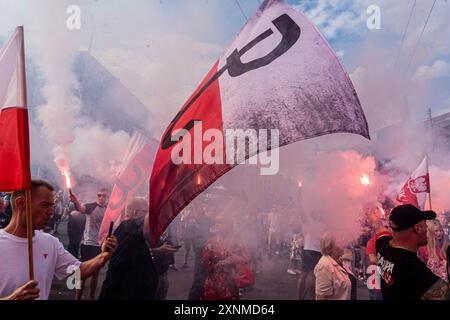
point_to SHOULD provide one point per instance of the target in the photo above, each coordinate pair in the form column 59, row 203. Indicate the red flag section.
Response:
column 14, row 132
column 137, row 166
column 173, row 186
column 278, row 73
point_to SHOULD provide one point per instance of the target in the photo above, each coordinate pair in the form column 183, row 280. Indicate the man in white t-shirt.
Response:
column 274, row 221
column 313, row 228
column 50, row 257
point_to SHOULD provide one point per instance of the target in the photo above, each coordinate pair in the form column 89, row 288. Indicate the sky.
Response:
column 161, row 50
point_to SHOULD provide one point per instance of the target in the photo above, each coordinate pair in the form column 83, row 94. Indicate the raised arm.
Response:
column 80, row 207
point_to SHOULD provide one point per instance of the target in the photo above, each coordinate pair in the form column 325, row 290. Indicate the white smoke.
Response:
column 78, row 143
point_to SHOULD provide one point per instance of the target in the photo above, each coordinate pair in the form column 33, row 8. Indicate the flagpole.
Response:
column 429, row 184
column 29, row 218
column 29, row 233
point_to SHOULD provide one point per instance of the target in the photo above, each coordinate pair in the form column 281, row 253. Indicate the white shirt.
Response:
column 50, row 259
column 311, row 242
column 312, row 233
column 332, row 280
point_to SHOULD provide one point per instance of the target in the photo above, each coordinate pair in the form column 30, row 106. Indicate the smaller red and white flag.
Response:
column 417, row 187
column 136, row 168
column 14, row 132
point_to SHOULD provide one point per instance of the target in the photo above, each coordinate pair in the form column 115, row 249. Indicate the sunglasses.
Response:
column 101, row 195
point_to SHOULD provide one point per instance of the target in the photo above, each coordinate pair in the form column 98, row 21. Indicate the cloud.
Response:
column 439, row 69
column 333, row 17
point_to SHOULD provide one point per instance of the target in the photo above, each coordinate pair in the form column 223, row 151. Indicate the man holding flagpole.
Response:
column 15, row 140
column 50, row 256
column 32, row 201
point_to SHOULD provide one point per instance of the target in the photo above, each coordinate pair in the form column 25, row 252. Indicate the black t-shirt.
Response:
column 403, row 275
column 201, row 232
column 75, row 227
column 131, row 273
column 4, row 219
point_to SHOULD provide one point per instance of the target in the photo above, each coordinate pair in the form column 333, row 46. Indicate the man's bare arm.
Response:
column 438, row 291
column 28, row 291
column 90, row 267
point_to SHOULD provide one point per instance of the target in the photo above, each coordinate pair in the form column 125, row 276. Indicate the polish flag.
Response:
column 417, row 187
column 278, row 73
column 136, row 168
column 14, row 132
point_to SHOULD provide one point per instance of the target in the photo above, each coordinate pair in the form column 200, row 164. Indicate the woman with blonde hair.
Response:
column 332, row 279
column 434, row 254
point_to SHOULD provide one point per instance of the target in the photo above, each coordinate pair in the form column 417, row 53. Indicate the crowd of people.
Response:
column 403, row 255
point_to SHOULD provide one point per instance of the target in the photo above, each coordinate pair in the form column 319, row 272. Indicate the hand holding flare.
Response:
column 69, row 187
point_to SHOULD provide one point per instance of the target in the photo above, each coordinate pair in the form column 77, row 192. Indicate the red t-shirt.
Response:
column 371, row 247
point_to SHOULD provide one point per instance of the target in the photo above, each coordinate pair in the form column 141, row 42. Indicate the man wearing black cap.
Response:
column 403, row 274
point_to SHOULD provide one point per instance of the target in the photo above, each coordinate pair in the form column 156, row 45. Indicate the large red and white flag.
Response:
column 14, row 132
column 278, row 73
column 417, row 187
column 136, row 167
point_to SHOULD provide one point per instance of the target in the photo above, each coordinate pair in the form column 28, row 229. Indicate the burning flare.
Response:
column 67, row 176
column 383, row 213
column 299, row 184
column 199, row 180
column 365, row 180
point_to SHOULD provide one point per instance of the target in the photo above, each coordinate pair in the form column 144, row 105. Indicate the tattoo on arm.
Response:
column 438, row 291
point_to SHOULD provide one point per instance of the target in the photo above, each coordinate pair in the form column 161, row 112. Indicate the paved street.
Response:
column 272, row 283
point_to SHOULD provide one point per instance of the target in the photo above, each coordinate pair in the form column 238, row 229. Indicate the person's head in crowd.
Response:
column 59, row 195
column 136, row 208
column 2, row 205
column 223, row 224
column 381, row 225
column 373, row 217
column 42, row 204
column 409, row 225
column 199, row 207
column 6, row 201
column 75, row 213
column 436, row 237
column 331, row 246
column 102, row 197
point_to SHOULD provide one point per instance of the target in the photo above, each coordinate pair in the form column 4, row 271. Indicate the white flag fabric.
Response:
column 278, row 73
column 417, row 187
column 14, row 132
column 10, row 73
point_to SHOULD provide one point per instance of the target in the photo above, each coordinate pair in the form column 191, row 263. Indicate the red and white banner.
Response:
column 136, row 168
column 14, row 132
column 278, row 73
column 417, row 187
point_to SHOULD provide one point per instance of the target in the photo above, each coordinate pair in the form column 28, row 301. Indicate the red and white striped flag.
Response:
column 278, row 73
column 14, row 132
column 417, row 187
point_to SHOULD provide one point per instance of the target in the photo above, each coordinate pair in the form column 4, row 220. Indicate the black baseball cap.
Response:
column 406, row 216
